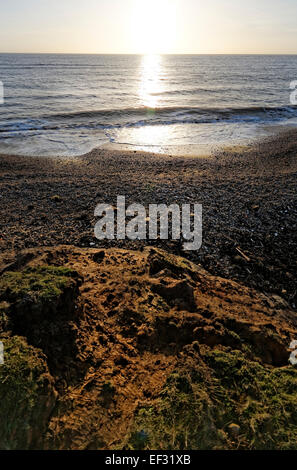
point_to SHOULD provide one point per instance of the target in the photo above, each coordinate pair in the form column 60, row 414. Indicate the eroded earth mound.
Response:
column 117, row 349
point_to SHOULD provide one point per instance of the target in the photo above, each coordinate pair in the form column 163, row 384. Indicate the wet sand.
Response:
column 248, row 197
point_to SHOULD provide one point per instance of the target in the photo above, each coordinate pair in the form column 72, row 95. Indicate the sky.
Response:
column 149, row 26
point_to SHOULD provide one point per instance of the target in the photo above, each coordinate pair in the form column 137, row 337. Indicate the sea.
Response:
column 66, row 105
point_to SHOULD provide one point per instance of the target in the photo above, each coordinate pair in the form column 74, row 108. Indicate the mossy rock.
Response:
column 179, row 419
column 159, row 260
column 40, row 305
column 202, row 398
column 4, row 317
column 40, row 286
column 27, row 395
column 262, row 400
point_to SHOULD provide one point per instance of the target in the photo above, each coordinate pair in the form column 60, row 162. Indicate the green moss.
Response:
column 4, row 317
column 26, row 395
column 159, row 260
column 263, row 400
column 234, row 336
column 40, row 301
column 200, row 400
column 179, row 419
column 177, row 261
column 45, row 283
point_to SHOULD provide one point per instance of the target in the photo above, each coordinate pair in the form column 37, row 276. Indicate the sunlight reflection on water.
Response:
column 150, row 81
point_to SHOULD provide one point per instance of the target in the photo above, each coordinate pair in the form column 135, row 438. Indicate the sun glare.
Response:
column 154, row 26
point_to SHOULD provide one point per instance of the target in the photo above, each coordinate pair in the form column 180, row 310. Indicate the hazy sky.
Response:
column 149, row 26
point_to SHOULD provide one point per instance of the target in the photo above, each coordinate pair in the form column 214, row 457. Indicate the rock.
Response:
column 41, row 300
column 27, row 396
column 56, row 198
column 179, row 293
column 196, row 346
column 234, row 430
column 98, row 257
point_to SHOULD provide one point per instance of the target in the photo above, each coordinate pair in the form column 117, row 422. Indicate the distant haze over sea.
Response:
column 69, row 104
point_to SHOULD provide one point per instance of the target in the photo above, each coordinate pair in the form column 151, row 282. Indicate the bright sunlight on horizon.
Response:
column 149, row 26
column 154, row 26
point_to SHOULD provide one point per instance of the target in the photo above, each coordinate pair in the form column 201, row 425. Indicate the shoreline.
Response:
column 211, row 142
column 202, row 150
column 248, row 197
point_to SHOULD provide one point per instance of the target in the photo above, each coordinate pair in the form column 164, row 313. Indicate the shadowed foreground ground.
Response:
column 113, row 349
column 118, row 345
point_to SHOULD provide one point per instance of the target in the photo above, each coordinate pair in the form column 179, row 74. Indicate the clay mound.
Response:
column 139, row 329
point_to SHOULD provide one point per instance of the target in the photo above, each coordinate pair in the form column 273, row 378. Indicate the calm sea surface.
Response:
column 69, row 104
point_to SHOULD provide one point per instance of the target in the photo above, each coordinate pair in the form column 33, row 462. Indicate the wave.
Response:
column 223, row 113
column 142, row 116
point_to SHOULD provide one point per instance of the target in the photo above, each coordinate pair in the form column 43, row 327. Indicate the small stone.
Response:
column 56, row 198
column 196, row 346
column 99, row 257
column 234, row 429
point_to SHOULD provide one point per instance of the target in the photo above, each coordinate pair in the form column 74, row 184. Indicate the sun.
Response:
column 153, row 26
